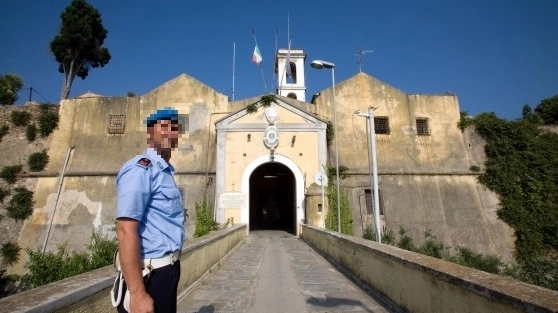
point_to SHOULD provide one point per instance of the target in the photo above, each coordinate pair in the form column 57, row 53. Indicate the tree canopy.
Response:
column 10, row 85
column 78, row 46
column 548, row 110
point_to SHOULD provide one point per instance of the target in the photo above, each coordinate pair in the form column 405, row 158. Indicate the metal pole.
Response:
column 61, row 180
column 370, row 169
column 323, row 205
column 336, row 151
column 234, row 58
column 374, row 174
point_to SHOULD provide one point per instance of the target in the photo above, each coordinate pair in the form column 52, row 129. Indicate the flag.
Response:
column 257, row 57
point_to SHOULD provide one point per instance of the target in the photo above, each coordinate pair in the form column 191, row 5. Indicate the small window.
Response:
column 116, row 124
column 370, row 202
column 422, row 127
column 381, row 125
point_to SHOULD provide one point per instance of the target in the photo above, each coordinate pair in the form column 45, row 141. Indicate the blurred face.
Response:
column 163, row 135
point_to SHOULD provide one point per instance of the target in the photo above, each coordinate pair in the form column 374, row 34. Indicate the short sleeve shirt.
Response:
column 147, row 192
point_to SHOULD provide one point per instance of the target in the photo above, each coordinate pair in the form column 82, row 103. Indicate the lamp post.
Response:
column 319, row 64
column 374, row 169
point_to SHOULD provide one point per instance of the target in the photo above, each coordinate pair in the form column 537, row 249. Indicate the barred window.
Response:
column 381, row 125
column 370, row 201
column 116, row 124
column 422, row 127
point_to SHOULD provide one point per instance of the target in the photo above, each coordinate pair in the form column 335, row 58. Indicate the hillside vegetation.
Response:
column 24, row 140
column 522, row 168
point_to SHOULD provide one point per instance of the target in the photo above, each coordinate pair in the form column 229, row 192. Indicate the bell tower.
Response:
column 289, row 67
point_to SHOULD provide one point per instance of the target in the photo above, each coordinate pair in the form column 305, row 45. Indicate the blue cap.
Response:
column 162, row 114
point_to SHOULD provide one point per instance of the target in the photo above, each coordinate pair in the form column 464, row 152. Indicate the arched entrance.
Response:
column 272, row 198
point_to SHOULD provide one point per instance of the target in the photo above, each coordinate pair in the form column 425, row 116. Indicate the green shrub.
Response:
column 540, row 271
column 4, row 131
column 405, row 241
column 49, row 267
column 20, row 118
column 388, row 237
column 31, row 132
column 101, row 250
column 331, row 219
column 480, row 261
column 48, row 120
column 3, row 194
column 38, row 161
column 20, row 206
column 432, row 247
column 9, row 173
column 10, row 253
column 474, row 168
column 464, row 121
column 4, row 280
column 369, row 233
column 204, row 219
column 521, row 168
column 330, row 133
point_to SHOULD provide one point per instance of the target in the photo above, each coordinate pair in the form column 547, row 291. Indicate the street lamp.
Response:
column 319, row 64
column 374, row 169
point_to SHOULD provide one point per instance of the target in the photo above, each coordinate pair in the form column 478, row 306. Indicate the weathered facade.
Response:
column 259, row 168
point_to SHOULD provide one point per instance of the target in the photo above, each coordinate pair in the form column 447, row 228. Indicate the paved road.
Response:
column 273, row 271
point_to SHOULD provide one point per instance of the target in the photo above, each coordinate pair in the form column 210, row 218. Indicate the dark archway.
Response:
column 273, row 198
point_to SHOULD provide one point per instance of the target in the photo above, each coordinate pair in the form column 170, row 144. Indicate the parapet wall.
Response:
column 419, row 283
column 89, row 292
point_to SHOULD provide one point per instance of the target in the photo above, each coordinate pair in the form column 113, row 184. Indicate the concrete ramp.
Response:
column 273, row 271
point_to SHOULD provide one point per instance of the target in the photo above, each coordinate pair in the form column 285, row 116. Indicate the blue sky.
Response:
column 494, row 55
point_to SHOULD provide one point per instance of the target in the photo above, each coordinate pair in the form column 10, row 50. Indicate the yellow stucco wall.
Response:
column 87, row 198
column 240, row 153
column 420, row 163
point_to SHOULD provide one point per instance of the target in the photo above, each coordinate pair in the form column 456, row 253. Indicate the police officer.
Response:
column 150, row 220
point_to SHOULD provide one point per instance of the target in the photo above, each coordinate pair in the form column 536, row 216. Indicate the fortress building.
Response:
column 260, row 168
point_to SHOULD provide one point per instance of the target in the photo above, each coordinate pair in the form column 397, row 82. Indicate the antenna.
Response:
column 360, row 54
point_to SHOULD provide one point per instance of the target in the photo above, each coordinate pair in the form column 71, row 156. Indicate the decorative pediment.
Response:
column 281, row 115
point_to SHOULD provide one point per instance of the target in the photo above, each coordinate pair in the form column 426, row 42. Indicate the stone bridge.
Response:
column 321, row 271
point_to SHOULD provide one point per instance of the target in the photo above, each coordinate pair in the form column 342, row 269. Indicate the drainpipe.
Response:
column 61, row 180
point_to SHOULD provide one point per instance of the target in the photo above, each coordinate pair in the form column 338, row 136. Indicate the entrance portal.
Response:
column 273, row 198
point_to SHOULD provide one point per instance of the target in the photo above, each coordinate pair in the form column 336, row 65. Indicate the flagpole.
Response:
column 234, row 58
column 263, row 79
column 288, row 25
column 273, row 64
column 260, row 64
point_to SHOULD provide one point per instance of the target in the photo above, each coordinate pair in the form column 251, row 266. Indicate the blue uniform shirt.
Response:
column 148, row 193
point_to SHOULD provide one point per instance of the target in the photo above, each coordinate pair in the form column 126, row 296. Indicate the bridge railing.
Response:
column 418, row 283
column 89, row 292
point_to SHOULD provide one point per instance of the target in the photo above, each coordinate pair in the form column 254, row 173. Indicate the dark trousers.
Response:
column 162, row 286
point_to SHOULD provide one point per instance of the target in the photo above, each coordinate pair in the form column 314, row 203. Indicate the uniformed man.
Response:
column 150, row 220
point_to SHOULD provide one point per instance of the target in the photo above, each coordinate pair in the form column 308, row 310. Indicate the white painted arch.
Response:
column 299, row 185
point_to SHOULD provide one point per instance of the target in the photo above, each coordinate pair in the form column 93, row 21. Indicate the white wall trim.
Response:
column 299, row 185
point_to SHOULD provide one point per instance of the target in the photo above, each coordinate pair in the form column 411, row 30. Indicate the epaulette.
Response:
column 144, row 162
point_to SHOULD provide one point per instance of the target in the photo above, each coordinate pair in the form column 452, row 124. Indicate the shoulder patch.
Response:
column 145, row 162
